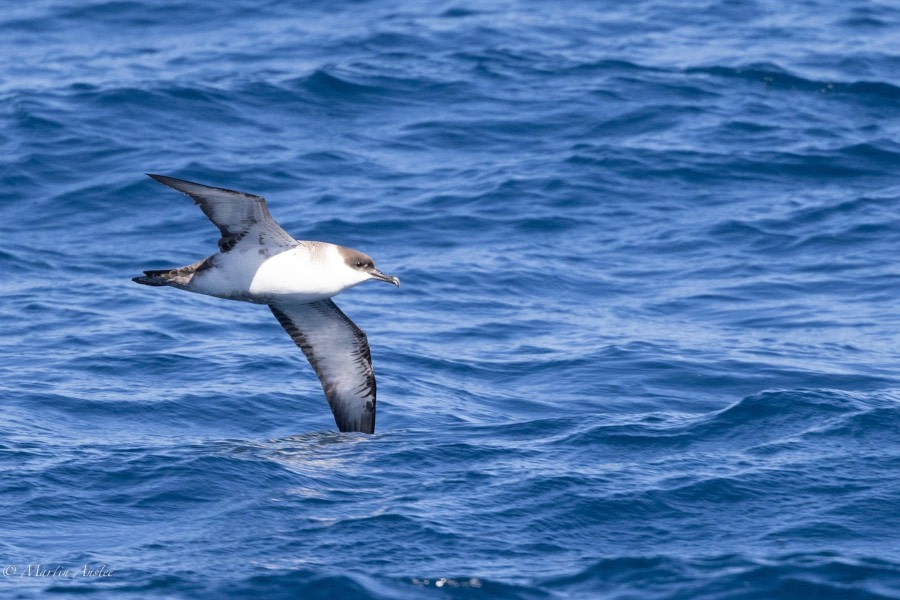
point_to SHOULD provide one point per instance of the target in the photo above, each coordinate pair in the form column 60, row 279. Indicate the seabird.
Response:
column 260, row 262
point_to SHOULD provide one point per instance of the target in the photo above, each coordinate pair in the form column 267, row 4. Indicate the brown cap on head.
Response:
column 356, row 260
column 363, row 262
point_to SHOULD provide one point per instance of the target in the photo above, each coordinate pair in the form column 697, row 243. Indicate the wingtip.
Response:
column 181, row 185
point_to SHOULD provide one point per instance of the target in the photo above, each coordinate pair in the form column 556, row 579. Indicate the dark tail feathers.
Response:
column 157, row 278
column 178, row 277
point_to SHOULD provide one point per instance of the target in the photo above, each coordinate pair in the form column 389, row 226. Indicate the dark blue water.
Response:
column 647, row 342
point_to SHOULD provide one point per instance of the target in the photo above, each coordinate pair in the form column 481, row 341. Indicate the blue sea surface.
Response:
column 647, row 344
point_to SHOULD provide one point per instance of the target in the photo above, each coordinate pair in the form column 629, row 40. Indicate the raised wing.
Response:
column 235, row 213
column 339, row 352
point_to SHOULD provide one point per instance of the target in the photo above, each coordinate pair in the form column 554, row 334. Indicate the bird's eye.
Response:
column 359, row 264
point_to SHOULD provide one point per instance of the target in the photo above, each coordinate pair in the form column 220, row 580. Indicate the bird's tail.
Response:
column 160, row 277
column 175, row 277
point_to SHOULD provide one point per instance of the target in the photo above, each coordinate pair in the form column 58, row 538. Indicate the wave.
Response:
column 776, row 78
column 734, row 577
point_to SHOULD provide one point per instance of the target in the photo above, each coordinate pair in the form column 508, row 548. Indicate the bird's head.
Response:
column 363, row 267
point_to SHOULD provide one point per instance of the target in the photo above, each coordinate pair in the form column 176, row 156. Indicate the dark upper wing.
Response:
column 234, row 213
column 338, row 351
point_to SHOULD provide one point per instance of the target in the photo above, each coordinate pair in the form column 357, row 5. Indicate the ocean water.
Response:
column 647, row 343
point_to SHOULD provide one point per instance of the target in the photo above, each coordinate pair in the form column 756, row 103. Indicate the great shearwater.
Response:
column 260, row 262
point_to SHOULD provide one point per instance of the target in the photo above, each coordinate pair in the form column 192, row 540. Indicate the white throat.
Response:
column 309, row 272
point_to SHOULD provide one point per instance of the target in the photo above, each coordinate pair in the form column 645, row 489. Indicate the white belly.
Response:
column 292, row 276
column 248, row 275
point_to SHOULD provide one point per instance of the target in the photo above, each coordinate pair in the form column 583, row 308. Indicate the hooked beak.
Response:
column 376, row 274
